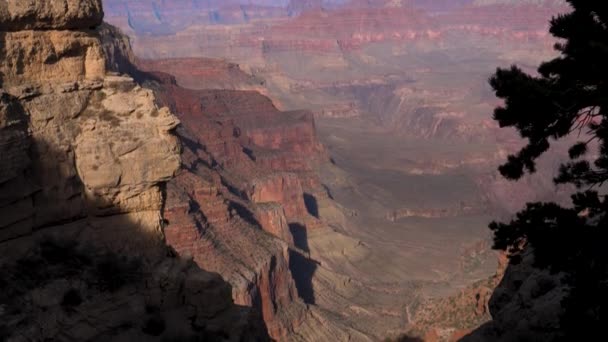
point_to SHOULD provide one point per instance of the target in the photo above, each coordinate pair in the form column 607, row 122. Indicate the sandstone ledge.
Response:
column 37, row 57
column 18, row 15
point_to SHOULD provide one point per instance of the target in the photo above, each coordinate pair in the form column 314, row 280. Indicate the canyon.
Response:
column 258, row 170
column 400, row 103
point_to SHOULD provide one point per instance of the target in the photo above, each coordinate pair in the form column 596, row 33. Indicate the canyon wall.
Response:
column 237, row 218
column 246, row 193
column 85, row 156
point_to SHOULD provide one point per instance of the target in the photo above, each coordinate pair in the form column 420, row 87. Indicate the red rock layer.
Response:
column 338, row 28
column 284, row 189
column 203, row 73
column 231, row 205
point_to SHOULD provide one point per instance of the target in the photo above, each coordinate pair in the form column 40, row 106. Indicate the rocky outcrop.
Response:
column 205, row 73
column 284, row 189
column 84, row 159
column 117, row 49
column 98, row 148
column 272, row 218
column 525, row 306
column 449, row 319
column 81, row 292
column 216, row 235
column 19, row 15
column 225, row 232
column 36, row 57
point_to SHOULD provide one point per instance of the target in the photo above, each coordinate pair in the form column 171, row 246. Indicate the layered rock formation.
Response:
column 205, row 73
column 239, row 214
column 241, row 203
column 84, row 158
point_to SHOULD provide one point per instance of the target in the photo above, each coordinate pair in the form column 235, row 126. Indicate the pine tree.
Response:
column 569, row 96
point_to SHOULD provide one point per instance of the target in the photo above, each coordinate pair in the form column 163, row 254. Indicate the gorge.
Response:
column 257, row 170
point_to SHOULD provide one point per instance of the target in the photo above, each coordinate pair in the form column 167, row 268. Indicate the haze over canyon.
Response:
column 251, row 170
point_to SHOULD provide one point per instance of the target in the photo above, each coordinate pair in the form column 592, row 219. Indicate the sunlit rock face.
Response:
column 99, row 143
column 17, row 15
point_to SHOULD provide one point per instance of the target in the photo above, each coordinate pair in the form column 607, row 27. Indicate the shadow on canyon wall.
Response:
column 311, row 205
column 300, row 236
column 301, row 265
column 303, row 269
column 71, row 271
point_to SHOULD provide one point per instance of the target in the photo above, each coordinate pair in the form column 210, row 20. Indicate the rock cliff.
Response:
column 244, row 198
column 238, row 216
column 84, row 159
column 525, row 306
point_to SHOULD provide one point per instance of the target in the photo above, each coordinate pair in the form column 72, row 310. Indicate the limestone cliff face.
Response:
column 18, row 15
column 99, row 145
column 84, row 158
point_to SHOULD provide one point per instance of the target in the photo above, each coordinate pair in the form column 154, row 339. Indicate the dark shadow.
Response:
column 2, row 55
column 301, row 266
column 303, row 269
column 232, row 189
column 193, row 145
column 300, row 236
column 406, row 338
column 328, row 191
column 68, row 258
column 244, row 213
column 311, row 205
column 249, row 153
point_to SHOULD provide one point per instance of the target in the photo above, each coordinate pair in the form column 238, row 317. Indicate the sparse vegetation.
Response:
column 108, row 116
column 99, row 96
column 55, row 259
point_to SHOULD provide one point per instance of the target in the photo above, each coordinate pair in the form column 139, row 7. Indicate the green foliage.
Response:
column 570, row 95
